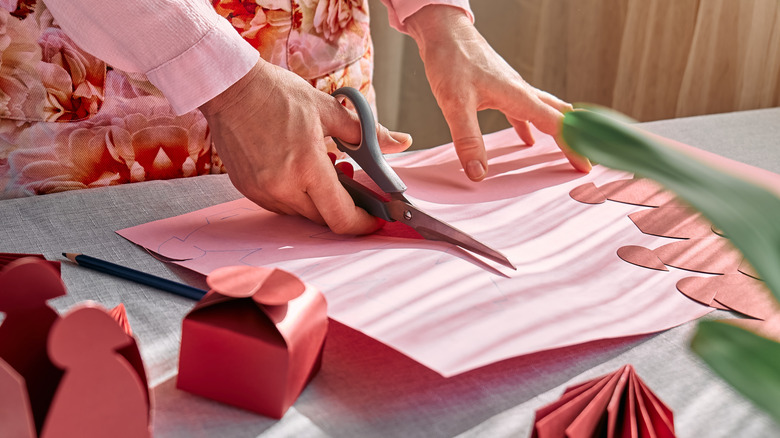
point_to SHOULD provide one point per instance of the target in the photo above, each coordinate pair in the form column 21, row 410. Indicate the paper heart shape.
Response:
column 588, row 193
column 269, row 286
column 639, row 191
column 641, row 256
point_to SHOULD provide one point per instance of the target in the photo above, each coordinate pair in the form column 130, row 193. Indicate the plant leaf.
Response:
column 745, row 360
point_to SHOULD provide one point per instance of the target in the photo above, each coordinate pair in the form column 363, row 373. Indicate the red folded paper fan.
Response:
column 616, row 405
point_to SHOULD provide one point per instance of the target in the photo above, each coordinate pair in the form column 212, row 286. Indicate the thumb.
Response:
column 392, row 142
column 469, row 145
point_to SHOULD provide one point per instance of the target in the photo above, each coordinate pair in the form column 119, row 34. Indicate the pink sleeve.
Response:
column 399, row 10
column 184, row 47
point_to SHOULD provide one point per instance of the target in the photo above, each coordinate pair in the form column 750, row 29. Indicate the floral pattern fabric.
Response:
column 69, row 121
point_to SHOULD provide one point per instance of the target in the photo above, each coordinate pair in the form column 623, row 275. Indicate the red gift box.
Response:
column 254, row 341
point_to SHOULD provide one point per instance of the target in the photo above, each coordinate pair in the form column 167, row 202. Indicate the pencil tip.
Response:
column 70, row 256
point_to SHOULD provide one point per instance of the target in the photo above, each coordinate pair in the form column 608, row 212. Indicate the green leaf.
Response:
column 747, row 213
column 744, row 359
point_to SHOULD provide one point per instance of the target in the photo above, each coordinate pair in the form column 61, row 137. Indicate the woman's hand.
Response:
column 269, row 128
column 467, row 75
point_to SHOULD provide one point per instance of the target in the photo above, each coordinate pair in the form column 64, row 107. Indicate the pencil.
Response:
column 136, row 276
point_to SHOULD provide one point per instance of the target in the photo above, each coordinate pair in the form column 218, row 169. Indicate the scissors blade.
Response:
column 434, row 229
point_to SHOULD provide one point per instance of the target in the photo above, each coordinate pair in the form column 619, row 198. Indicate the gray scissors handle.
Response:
column 368, row 154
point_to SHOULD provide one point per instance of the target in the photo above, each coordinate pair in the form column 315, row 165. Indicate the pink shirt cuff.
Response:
column 399, row 10
column 214, row 63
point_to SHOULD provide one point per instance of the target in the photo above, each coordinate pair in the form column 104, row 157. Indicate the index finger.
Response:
column 467, row 138
column 549, row 120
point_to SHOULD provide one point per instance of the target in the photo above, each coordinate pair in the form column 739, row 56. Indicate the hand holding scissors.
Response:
column 369, row 156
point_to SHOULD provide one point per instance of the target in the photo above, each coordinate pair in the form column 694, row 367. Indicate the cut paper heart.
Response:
column 272, row 287
column 254, row 341
column 701, row 290
column 641, row 256
column 737, row 292
column 616, row 404
column 704, row 249
column 588, row 193
column 713, row 255
column 637, row 191
column 674, row 222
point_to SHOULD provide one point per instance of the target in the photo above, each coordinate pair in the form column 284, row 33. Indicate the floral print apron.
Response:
column 69, row 121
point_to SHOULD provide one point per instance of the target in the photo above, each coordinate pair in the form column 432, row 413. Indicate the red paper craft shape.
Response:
column 101, row 393
column 25, row 286
column 254, row 341
column 618, row 404
column 103, row 390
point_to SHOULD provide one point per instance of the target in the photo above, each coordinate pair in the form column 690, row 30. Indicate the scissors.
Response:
column 369, row 157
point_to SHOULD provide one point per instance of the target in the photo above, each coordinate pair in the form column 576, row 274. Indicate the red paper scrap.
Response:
column 254, row 341
column 616, row 404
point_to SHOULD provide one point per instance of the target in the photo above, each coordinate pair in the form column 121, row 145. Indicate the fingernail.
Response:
column 475, row 169
column 401, row 137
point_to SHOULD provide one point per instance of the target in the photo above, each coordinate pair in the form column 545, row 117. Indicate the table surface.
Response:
column 364, row 387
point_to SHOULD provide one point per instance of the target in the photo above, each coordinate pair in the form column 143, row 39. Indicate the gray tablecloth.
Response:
column 364, row 387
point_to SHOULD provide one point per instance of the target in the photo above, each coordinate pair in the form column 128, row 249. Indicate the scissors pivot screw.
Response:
column 407, row 215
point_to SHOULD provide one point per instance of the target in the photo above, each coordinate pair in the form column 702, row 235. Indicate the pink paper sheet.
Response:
column 438, row 305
